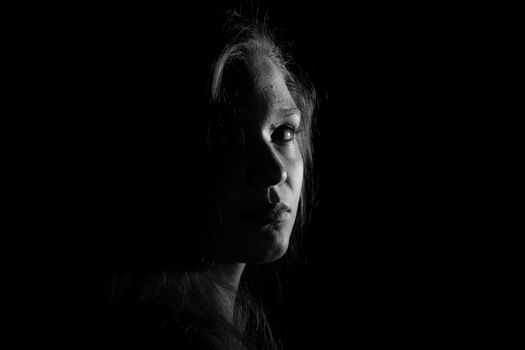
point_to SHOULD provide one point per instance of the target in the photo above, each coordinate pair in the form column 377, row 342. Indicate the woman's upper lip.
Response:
column 268, row 210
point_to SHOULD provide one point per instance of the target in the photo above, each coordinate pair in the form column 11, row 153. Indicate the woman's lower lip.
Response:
column 270, row 217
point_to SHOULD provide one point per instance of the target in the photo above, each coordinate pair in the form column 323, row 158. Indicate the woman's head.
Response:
column 260, row 149
column 153, row 197
column 204, row 151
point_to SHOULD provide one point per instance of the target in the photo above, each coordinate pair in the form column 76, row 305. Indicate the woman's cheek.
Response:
column 295, row 169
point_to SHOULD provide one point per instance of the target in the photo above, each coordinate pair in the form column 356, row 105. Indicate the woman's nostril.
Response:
column 273, row 195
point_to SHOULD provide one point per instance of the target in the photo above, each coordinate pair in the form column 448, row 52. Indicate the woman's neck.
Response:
column 229, row 275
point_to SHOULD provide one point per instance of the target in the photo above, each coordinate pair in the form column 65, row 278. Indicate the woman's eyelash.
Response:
column 287, row 127
column 291, row 127
column 296, row 130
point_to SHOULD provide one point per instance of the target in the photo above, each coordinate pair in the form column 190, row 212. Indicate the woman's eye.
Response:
column 284, row 133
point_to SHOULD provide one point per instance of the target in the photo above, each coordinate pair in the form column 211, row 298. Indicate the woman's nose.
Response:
column 266, row 167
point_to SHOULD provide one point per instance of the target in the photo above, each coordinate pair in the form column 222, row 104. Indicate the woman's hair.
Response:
column 144, row 218
column 254, row 39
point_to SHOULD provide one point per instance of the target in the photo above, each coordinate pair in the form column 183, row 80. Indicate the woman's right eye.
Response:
column 285, row 133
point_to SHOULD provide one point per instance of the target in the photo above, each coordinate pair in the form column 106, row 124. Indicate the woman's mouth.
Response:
column 273, row 213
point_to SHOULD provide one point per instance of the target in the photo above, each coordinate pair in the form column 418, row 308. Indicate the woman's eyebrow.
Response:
column 288, row 112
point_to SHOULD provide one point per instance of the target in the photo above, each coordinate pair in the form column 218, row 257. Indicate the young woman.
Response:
column 204, row 177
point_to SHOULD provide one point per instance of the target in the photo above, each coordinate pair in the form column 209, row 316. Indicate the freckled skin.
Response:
column 244, row 175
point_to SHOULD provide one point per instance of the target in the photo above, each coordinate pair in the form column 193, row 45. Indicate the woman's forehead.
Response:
column 266, row 90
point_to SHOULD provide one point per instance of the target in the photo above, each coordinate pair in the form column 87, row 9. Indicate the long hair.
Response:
column 152, row 273
column 188, row 293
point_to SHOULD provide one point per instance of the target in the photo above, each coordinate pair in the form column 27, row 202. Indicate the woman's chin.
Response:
column 269, row 247
column 254, row 244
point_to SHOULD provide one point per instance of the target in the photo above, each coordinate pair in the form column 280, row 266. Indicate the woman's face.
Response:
column 258, row 170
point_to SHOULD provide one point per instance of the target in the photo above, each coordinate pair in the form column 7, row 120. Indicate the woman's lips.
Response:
column 267, row 214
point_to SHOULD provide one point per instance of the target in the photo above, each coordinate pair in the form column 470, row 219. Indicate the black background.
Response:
column 391, row 253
